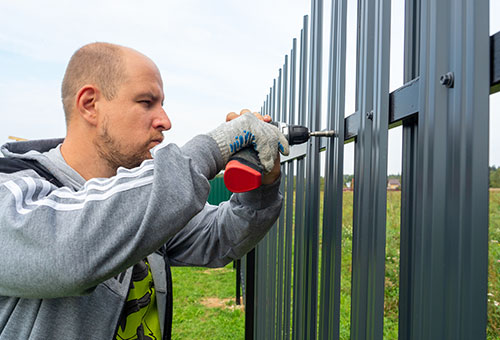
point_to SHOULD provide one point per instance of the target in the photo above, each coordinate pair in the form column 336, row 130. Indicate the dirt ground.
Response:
column 228, row 303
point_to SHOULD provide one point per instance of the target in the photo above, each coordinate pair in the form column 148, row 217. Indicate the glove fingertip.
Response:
column 268, row 165
column 283, row 142
column 284, row 148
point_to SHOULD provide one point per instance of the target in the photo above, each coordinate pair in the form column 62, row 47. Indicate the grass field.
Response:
column 204, row 306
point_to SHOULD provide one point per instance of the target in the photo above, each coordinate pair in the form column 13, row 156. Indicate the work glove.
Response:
column 249, row 131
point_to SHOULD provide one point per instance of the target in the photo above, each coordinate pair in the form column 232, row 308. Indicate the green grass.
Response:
column 194, row 320
column 194, row 317
column 494, row 267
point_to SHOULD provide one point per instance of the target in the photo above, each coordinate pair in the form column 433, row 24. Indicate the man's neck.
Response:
column 84, row 159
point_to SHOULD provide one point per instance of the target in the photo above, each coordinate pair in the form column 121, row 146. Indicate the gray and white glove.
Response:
column 249, row 131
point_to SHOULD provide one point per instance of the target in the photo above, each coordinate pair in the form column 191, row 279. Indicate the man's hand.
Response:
column 274, row 174
column 232, row 115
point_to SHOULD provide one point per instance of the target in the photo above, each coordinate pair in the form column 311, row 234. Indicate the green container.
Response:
column 218, row 191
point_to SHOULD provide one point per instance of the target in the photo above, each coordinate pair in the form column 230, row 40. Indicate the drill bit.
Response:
column 326, row 133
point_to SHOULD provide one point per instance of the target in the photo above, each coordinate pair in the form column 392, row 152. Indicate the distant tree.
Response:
column 347, row 179
column 494, row 177
column 398, row 176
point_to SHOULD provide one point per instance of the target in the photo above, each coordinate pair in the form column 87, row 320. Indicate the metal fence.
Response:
column 450, row 68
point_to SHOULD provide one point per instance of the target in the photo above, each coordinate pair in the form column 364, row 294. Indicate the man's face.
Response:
column 132, row 122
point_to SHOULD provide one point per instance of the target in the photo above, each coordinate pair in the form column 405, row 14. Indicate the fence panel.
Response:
column 444, row 208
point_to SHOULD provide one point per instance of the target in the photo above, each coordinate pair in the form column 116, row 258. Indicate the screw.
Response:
column 369, row 115
column 447, row 79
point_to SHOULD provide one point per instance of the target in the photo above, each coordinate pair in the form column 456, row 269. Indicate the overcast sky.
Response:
column 215, row 57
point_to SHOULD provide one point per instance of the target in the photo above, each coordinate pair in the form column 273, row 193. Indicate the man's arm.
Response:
column 56, row 242
column 220, row 234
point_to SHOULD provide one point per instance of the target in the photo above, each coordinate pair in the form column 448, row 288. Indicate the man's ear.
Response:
column 86, row 100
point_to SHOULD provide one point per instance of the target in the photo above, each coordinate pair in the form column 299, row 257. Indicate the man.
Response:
column 90, row 224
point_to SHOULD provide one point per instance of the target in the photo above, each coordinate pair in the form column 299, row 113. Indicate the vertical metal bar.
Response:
column 250, row 295
column 280, row 225
column 304, row 51
column 277, row 115
column 266, row 110
column 289, row 203
column 253, row 320
column 258, row 291
column 273, row 236
column 262, row 308
column 237, row 264
column 452, row 162
column 260, row 280
column 299, row 238
column 293, row 81
column 313, row 175
column 370, row 173
column 269, row 111
column 281, row 235
column 329, row 318
column 408, row 175
column 412, row 39
column 284, row 112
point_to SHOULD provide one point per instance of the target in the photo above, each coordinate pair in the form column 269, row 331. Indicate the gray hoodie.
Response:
column 66, row 254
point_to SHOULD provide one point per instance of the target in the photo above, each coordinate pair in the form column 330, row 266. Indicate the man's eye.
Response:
column 145, row 102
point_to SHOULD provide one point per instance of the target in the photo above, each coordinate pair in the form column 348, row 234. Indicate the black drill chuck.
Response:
column 244, row 171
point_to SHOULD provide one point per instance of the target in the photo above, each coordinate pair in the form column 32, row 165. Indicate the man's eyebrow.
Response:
column 146, row 94
column 149, row 95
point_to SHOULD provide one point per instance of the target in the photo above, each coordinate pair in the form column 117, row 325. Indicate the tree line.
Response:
column 494, row 177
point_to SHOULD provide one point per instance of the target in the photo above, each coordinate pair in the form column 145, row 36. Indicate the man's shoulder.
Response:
column 14, row 165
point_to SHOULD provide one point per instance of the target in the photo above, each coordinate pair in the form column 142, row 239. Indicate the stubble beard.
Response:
column 112, row 151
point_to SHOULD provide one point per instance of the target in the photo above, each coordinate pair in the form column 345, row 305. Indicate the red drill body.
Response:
column 244, row 172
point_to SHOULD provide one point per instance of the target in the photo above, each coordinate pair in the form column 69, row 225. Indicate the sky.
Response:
column 215, row 57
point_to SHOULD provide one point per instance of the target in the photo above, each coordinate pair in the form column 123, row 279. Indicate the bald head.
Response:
column 99, row 64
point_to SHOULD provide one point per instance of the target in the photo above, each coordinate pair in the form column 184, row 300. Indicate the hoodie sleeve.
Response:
column 219, row 234
column 57, row 242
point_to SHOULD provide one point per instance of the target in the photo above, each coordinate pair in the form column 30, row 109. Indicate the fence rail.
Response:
column 444, row 202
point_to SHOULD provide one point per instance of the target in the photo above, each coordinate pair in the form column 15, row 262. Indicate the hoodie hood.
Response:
column 30, row 149
column 34, row 149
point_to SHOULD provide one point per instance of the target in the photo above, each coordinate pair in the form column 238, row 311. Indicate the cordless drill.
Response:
column 244, row 172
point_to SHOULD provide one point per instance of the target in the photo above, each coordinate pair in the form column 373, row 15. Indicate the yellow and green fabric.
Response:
column 139, row 318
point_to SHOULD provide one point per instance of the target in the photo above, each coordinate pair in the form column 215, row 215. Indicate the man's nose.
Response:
column 162, row 122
